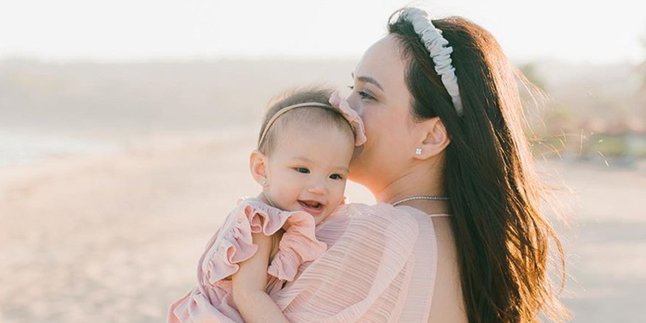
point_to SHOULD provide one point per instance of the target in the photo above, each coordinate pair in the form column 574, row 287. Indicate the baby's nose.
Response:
column 317, row 187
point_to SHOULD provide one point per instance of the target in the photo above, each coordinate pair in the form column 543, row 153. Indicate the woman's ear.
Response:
column 258, row 167
column 433, row 139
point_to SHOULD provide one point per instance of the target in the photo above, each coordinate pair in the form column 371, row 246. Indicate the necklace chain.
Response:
column 421, row 197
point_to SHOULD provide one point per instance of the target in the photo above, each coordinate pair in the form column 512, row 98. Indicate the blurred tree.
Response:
column 641, row 69
column 548, row 120
column 530, row 70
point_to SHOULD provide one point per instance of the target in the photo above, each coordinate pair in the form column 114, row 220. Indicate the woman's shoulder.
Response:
column 371, row 254
column 378, row 212
column 378, row 219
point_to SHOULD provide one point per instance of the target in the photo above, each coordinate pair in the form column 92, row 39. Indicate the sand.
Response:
column 116, row 237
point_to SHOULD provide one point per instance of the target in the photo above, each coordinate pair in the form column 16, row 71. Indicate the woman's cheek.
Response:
column 368, row 123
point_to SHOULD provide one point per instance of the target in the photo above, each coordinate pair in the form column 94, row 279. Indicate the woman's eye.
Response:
column 365, row 95
column 336, row 176
column 302, row 170
column 362, row 94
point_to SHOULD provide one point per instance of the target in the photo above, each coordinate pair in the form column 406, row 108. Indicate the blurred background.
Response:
column 125, row 128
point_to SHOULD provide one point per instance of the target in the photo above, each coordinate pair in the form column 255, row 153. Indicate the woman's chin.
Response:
column 357, row 151
column 357, row 175
column 357, row 163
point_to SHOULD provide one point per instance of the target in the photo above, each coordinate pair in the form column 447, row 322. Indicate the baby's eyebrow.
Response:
column 342, row 168
column 303, row 159
column 309, row 161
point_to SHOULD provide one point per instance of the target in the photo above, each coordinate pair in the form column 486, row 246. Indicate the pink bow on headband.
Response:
column 349, row 114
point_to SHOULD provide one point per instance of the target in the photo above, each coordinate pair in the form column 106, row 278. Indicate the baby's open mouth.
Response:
column 311, row 205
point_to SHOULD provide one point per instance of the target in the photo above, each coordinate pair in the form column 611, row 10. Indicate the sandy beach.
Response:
column 116, row 237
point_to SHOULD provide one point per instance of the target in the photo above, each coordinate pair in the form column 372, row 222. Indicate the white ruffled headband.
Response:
column 439, row 50
column 338, row 104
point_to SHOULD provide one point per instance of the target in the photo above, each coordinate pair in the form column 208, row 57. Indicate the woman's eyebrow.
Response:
column 368, row 79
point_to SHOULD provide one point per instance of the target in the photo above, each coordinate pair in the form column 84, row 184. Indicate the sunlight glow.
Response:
column 587, row 31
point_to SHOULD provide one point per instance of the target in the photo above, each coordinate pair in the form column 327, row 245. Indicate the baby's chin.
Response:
column 325, row 214
column 318, row 215
column 319, row 218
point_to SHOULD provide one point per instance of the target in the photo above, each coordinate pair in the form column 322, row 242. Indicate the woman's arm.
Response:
column 249, row 285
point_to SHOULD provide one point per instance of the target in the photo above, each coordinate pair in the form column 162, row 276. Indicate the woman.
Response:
column 443, row 120
column 457, row 235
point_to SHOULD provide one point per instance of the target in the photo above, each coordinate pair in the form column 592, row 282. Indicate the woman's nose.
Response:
column 354, row 104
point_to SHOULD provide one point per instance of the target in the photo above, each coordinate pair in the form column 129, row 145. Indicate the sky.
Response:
column 575, row 31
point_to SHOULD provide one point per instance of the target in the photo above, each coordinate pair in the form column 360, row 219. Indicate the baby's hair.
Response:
column 306, row 115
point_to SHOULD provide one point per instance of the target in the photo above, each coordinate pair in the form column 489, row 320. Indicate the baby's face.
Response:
column 308, row 167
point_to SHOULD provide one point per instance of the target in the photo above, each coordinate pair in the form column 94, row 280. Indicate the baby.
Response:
column 304, row 149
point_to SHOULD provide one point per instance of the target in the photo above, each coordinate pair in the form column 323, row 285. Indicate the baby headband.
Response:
column 337, row 104
column 439, row 50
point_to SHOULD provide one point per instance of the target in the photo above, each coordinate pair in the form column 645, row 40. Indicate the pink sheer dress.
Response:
column 364, row 263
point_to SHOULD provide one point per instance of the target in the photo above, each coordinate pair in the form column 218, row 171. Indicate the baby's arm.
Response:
column 249, row 285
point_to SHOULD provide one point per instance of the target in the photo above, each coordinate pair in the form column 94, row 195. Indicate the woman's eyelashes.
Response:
column 364, row 95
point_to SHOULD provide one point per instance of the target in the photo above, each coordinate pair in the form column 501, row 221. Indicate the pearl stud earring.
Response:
column 418, row 151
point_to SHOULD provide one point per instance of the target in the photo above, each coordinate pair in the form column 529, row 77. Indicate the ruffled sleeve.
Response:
column 298, row 243
column 233, row 244
column 297, row 246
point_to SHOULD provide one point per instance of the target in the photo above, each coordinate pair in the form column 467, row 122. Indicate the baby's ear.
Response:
column 258, row 167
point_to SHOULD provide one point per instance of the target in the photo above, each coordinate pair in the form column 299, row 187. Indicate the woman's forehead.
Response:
column 382, row 61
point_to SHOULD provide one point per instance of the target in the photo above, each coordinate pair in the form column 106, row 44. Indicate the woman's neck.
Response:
column 418, row 181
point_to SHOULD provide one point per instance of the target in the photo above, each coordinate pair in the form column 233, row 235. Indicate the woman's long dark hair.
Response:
column 501, row 235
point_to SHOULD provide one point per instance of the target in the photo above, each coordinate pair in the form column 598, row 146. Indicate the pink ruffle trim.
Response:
column 298, row 243
column 211, row 300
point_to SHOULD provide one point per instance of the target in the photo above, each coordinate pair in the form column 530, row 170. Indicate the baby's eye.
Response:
column 336, row 177
column 302, row 170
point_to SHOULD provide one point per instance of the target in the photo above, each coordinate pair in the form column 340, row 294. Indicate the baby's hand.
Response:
column 252, row 276
column 249, row 285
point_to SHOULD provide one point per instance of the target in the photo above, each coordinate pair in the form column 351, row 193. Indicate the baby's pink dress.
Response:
column 380, row 266
column 211, row 300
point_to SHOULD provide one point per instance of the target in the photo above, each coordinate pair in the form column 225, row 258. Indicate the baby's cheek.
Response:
column 339, row 199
